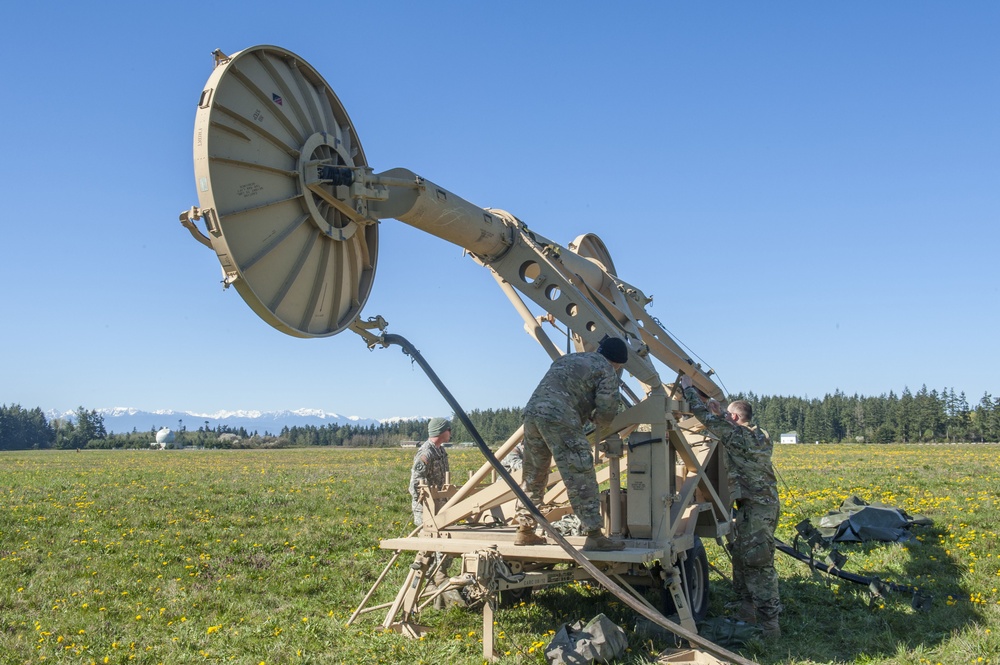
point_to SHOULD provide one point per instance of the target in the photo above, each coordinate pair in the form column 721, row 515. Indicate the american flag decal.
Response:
column 276, row 99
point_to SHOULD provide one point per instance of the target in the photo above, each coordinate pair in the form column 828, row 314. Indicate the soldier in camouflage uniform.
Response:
column 430, row 467
column 577, row 388
column 752, row 481
column 514, row 460
column 430, row 464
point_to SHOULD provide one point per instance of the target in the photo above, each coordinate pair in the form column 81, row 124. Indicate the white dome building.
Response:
column 164, row 438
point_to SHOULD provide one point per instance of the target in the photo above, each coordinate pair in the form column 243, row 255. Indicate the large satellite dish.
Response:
column 265, row 120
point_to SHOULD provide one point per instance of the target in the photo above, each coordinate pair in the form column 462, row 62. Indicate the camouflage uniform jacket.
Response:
column 514, row 460
column 751, row 475
column 430, row 465
column 578, row 387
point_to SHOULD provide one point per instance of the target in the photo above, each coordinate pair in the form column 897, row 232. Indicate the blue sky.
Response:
column 811, row 192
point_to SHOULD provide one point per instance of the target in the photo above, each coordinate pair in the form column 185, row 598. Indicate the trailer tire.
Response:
column 514, row 597
column 695, row 581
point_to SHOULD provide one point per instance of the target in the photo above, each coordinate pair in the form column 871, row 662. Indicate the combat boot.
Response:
column 598, row 542
column 430, row 590
column 526, row 536
column 770, row 629
column 746, row 612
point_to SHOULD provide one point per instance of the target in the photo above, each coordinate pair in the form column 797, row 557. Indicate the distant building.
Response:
column 409, row 444
column 164, row 439
column 790, row 437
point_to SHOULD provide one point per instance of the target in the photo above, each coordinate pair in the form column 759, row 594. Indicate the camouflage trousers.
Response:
column 418, row 512
column 754, row 576
column 417, row 508
column 545, row 440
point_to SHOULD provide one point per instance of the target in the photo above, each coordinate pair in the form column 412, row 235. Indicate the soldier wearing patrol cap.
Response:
column 430, row 464
column 430, row 467
column 578, row 388
column 752, row 480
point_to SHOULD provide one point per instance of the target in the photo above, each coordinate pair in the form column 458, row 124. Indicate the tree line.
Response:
column 384, row 435
column 921, row 417
column 22, row 429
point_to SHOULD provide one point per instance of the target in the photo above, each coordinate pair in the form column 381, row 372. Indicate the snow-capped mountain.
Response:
column 123, row 419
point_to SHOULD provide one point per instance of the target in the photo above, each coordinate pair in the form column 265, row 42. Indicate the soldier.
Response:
column 577, row 388
column 514, row 459
column 430, row 467
column 430, row 464
column 752, row 481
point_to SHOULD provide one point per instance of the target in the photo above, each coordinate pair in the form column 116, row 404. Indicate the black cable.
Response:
column 584, row 563
column 920, row 599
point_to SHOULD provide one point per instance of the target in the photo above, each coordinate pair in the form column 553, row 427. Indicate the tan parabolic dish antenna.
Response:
column 264, row 122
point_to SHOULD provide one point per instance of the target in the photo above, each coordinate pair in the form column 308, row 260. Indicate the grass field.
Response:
column 261, row 556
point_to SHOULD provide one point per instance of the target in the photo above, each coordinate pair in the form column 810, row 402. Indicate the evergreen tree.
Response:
column 904, row 415
column 773, row 417
column 995, row 421
column 21, row 429
column 858, row 424
column 964, row 416
column 928, row 415
column 982, row 419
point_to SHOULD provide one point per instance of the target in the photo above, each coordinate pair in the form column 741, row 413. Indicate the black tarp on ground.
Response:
column 858, row 520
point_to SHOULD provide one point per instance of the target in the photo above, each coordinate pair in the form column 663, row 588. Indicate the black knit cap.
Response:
column 614, row 349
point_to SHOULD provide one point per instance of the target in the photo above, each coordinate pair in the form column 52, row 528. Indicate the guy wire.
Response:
column 691, row 352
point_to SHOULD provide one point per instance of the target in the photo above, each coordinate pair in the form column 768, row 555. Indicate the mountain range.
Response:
column 122, row 420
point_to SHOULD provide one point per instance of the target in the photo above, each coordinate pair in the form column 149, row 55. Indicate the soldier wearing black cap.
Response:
column 578, row 388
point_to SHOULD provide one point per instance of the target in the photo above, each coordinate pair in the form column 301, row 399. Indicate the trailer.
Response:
column 292, row 209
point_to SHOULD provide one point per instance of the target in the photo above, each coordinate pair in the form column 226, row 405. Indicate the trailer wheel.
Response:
column 695, row 581
column 513, row 597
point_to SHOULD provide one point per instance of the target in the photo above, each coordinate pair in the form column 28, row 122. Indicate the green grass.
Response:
column 261, row 556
